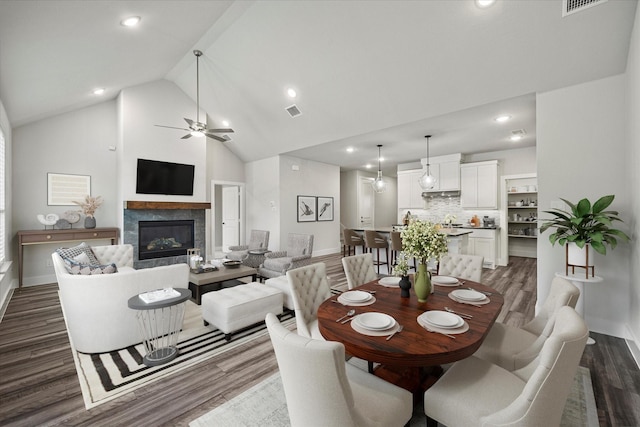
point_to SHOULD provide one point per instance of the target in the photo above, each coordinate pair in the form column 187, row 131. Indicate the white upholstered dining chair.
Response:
column 511, row 347
column 463, row 266
column 322, row 390
column 474, row 392
column 358, row 269
column 309, row 288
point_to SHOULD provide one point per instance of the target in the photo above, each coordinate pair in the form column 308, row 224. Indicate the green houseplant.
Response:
column 585, row 224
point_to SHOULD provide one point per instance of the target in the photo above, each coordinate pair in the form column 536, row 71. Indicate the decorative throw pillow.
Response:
column 74, row 267
column 82, row 248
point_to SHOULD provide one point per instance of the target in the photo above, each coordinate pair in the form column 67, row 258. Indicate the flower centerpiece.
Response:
column 449, row 219
column 423, row 240
column 89, row 207
column 401, row 269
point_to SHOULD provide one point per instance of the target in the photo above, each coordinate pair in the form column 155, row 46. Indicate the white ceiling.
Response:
column 367, row 72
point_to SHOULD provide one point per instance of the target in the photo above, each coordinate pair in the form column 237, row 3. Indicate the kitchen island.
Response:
column 458, row 238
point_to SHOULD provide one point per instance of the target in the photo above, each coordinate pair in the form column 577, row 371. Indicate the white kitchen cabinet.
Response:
column 446, row 170
column 483, row 242
column 479, row 185
column 409, row 190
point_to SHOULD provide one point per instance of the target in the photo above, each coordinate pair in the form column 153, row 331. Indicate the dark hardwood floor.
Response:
column 39, row 385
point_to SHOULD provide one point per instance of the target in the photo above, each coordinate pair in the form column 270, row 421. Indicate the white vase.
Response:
column 578, row 256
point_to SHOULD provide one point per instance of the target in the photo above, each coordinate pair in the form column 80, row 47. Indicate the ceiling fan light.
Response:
column 197, row 133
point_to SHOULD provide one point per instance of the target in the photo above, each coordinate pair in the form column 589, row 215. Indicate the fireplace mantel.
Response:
column 134, row 204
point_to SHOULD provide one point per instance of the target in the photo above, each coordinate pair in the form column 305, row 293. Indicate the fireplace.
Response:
column 160, row 239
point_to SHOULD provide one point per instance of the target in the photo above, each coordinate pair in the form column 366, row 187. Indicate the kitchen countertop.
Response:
column 453, row 232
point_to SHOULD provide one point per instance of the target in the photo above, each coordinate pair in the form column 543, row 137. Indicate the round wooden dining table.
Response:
column 414, row 346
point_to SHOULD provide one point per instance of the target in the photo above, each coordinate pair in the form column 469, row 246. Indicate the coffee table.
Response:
column 201, row 283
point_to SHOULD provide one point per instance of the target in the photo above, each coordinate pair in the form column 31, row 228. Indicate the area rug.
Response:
column 106, row 376
column 264, row 405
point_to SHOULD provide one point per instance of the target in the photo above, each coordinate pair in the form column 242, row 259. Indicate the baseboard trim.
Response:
column 632, row 344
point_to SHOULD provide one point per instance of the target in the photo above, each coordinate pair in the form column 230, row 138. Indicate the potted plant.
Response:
column 584, row 225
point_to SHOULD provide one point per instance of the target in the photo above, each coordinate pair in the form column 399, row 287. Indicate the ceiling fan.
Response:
column 197, row 128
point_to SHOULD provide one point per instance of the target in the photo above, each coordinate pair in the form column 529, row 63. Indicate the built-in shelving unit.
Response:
column 519, row 206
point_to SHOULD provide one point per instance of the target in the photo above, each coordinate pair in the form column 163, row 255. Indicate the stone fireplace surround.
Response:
column 135, row 211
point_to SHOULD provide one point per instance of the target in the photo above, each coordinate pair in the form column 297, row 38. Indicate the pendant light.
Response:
column 379, row 186
column 427, row 181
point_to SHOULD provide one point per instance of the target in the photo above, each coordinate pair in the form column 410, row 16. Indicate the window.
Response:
column 2, row 204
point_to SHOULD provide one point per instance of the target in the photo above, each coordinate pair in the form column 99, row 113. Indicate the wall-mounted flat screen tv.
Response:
column 154, row 177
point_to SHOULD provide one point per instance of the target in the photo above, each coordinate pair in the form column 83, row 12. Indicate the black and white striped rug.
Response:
column 106, row 376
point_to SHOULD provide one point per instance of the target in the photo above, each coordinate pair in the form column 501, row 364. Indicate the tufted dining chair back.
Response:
column 358, row 269
column 463, row 266
column 309, row 288
column 322, row 390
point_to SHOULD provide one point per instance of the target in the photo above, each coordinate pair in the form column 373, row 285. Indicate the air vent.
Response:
column 570, row 7
column 293, row 110
column 519, row 132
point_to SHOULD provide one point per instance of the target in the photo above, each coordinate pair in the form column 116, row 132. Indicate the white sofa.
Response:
column 95, row 306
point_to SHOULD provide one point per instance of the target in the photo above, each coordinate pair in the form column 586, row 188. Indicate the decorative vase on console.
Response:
column 89, row 207
column 424, row 241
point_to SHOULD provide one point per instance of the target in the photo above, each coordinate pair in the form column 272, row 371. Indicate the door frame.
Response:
column 211, row 246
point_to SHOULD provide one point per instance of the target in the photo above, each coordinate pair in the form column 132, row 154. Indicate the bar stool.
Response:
column 351, row 240
column 396, row 247
column 374, row 240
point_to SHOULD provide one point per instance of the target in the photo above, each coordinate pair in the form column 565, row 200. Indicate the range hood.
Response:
column 440, row 194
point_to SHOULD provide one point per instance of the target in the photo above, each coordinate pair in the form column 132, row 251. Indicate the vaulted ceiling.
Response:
column 366, row 72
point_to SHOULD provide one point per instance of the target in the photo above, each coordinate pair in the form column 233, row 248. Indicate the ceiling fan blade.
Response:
column 227, row 130
column 189, row 122
column 187, row 136
column 171, row 127
column 216, row 137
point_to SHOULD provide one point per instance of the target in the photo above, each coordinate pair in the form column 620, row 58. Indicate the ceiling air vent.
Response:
column 572, row 6
column 293, row 110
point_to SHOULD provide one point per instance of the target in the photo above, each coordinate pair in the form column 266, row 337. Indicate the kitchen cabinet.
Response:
column 446, row 170
column 483, row 242
column 479, row 185
column 409, row 190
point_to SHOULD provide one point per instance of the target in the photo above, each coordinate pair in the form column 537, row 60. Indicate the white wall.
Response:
column 141, row 108
column 71, row 143
column 386, row 204
column 263, row 198
column 311, row 179
column 582, row 152
column 633, row 160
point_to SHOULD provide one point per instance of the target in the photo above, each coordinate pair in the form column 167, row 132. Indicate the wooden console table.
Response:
column 39, row 237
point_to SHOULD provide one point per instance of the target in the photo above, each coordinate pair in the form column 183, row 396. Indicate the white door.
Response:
column 230, row 217
column 366, row 203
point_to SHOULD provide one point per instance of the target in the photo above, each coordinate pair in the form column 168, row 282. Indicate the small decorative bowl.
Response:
column 232, row 264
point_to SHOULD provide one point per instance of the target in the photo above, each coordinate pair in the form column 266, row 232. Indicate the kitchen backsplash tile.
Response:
column 438, row 207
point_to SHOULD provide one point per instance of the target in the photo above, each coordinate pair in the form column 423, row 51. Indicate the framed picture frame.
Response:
column 324, row 206
column 64, row 189
column 306, row 208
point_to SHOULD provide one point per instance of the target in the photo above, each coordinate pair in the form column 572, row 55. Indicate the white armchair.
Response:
column 259, row 240
column 479, row 393
column 322, row 390
column 512, row 348
column 95, row 306
column 298, row 254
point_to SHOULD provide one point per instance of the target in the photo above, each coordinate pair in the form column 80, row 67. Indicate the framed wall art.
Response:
column 306, row 208
column 63, row 189
column 324, row 207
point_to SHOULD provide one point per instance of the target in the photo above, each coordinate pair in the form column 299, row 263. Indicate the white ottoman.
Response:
column 232, row 309
column 282, row 283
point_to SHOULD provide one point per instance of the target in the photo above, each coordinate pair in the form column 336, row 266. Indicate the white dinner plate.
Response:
column 356, row 296
column 375, row 321
column 468, row 295
column 442, row 319
column 389, row 281
column 444, row 280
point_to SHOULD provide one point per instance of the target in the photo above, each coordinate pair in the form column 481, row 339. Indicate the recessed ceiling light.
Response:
column 381, row 159
column 368, row 166
column 484, row 3
column 131, row 21
column 503, row 118
column 350, row 150
column 291, row 93
column 98, row 91
column 226, row 123
column 515, row 137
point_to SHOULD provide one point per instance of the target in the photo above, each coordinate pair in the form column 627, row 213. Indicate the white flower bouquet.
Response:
column 423, row 240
